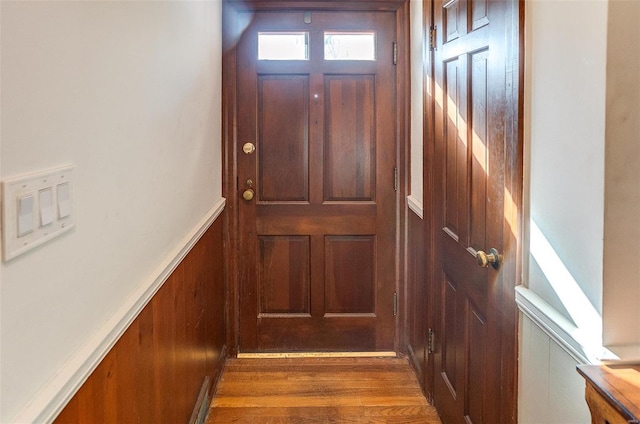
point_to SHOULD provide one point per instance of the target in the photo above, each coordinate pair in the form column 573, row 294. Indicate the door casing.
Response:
column 230, row 10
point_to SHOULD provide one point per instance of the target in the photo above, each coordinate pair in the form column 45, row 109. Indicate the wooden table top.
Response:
column 619, row 384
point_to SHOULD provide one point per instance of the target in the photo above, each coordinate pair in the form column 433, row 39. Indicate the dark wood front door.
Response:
column 473, row 168
column 317, row 253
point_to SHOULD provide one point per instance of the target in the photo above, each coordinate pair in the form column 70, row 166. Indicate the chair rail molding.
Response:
column 416, row 206
column 560, row 329
column 53, row 397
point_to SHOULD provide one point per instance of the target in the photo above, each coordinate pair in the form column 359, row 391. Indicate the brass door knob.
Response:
column 484, row 259
column 248, row 148
column 248, row 194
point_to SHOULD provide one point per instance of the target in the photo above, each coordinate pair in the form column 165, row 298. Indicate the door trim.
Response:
column 230, row 31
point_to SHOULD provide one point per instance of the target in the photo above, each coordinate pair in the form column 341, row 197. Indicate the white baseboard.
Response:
column 53, row 397
column 416, row 206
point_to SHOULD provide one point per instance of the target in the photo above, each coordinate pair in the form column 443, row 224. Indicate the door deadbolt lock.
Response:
column 484, row 259
column 248, row 148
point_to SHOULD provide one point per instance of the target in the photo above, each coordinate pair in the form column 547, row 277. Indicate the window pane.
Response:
column 350, row 46
column 283, row 46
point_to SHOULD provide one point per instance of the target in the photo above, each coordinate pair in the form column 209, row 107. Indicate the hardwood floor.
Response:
column 320, row 390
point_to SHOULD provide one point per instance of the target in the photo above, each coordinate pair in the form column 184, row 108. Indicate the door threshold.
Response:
column 280, row 355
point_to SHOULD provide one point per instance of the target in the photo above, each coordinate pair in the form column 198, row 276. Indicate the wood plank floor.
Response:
column 320, row 390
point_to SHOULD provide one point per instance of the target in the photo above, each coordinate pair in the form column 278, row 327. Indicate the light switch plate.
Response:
column 49, row 220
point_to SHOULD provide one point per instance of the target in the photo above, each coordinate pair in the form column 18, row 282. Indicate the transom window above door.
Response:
column 338, row 45
column 283, row 46
column 350, row 46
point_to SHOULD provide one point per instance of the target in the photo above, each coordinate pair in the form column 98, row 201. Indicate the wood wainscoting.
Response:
column 417, row 308
column 156, row 370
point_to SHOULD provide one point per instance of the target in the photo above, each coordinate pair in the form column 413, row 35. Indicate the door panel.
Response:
column 470, row 76
column 478, row 163
column 318, row 243
column 350, row 144
column 283, row 122
column 284, row 277
column 350, row 275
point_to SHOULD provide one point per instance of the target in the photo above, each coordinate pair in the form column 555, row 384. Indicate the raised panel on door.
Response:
column 284, row 275
column 456, row 147
column 283, row 137
column 350, row 144
column 478, row 162
column 451, row 12
column 350, row 275
column 475, row 354
column 466, row 163
column 450, row 330
column 479, row 14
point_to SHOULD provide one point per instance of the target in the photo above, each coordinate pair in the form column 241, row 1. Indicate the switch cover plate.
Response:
column 52, row 209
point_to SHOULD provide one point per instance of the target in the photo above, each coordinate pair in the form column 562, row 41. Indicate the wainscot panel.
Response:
column 156, row 370
column 416, row 296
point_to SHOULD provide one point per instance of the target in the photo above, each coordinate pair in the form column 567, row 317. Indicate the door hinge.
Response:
column 395, row 304
column 430, row 347
column 395, row 52
column 432, row 37
column 395, row 178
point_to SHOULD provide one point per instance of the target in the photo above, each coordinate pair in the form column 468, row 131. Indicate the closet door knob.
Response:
column 485, row 259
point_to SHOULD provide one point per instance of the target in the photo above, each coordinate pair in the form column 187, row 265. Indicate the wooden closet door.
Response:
column 474, row 352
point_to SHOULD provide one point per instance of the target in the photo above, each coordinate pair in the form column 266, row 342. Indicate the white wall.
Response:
column 129, row 92
column 622, row 190
column 565, row 85
column 565, row 124
column 417, row 117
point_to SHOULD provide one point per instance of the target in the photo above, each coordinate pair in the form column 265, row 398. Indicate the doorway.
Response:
column 315, row 132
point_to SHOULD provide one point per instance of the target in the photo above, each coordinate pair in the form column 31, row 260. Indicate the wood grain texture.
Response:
column 612, row 392
column 350, row 148
column 320, row 390
column 230, row 169
column 602, row 412
column 283, row 137
column 349, row 274
column 474, row 167
column 329, row 126
column 166, row 353
column 284, row 275
column 417, row 300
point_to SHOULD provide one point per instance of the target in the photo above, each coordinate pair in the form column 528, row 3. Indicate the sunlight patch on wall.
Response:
column 582, row 312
